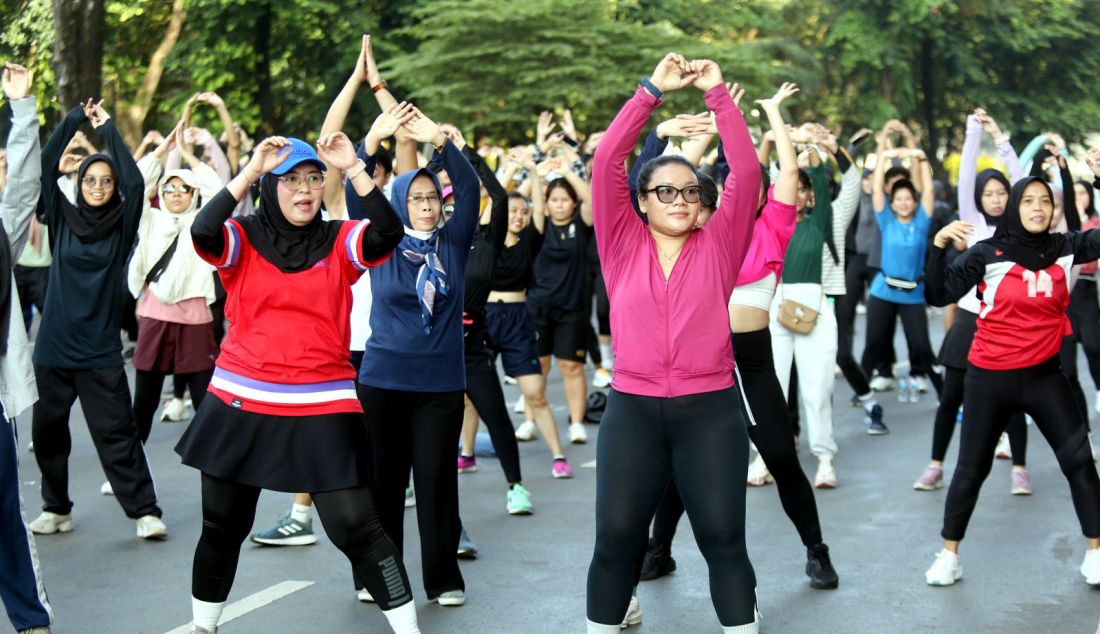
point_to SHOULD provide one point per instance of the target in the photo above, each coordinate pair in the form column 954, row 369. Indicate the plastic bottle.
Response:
column 903, row 389
column 914, row 391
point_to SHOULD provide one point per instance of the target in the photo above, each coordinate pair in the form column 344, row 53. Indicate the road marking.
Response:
column 591, row 464
column 252, row 602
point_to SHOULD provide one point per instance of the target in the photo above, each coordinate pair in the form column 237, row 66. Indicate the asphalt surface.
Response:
column 1020, row 557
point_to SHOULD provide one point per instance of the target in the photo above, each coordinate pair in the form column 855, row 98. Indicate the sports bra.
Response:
column 756, row 294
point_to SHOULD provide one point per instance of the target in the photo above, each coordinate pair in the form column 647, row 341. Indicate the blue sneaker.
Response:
column 287, row 531
column 875, row 426
column 519, row 501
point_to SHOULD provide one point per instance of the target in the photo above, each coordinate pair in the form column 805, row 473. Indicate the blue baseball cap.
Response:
column 300, row 152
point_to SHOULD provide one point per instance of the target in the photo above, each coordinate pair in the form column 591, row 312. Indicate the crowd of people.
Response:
column 333, row 313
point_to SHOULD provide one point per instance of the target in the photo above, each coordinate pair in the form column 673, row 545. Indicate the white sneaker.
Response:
column 1004, row 450
column 633, row 614
column 1092, row 447
column 106, row 489
column 364, row 596
column 826, row 475
column 577, row 434
column 1090, row 568
column 151, row 527
column 452, row 598
column 945, row 570
column 30, row 446
column 602, row 378
column 527, row 431
column 175, row 411
column 882, row 384
column 49, row 523
column 510, row 380
column 758, row 473
column 1096, row 405
column 520, row 406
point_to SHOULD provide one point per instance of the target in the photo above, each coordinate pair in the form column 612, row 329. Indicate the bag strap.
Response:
column 162, row 264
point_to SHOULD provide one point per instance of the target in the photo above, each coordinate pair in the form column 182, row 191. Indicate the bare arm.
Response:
column 786, row 186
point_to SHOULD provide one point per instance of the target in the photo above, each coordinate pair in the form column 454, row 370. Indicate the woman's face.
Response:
column 994, row 197
column 424, row 204
column 98, row 184
column 562, row 207
column 903, row 203
column 804, row 200
column 176, row 195
column 679, row 216
column 1081, row 195
column 519, row 215
column 301, row 203
column 1036, row 208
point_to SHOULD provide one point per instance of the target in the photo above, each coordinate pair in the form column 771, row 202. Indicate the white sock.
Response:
column 205, row 614
column 605, row 352
column 600, row 628
column 868, row 400
column 403, row 618
column 747, row 628
column 301, row 513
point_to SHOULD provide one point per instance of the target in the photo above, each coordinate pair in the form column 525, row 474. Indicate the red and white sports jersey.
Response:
column 1023, row 315
column 1022, row 320
column 286, row 347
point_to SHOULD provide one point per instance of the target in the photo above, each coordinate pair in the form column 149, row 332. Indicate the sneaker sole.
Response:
column 825, row 485
column 825, row 586
column 527, row 511
column 634, row 620
column 877, row 432
column 578, row 441
column 1021, row 491
column 525, row 438
column 154, row 536
column 563, row 476
column 924, row 487
column 468, row 470
column 299, row 540
column 452, row 603
column 468, row 555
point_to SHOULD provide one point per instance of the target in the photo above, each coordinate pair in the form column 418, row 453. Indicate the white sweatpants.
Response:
column 814, row 355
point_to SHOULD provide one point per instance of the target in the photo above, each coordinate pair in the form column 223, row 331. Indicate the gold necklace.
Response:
column 669, row 258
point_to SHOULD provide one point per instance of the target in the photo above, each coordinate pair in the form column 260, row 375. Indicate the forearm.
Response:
column 386, row 229
column 610, row 189
column 405, row 159
column 130, row 180
column 928, row 191
column 57, row 143
column 337, row 113
column 207, row 230
column 694, row 149
column 654, row 147
column 1012, row 162
column 1069, row 199
column 24, row 173
column 232, row 139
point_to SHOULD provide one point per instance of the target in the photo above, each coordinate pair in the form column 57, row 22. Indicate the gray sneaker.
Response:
column 466, row 547
column 287, row 531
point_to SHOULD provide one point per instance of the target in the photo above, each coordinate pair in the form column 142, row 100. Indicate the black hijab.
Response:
column 1033, row 251
column 288, row 247
column 92, row 224
column 983, row 178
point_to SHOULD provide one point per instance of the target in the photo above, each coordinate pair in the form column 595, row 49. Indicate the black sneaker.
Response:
column 658, row 562
column 819, row 568
column 875, row 426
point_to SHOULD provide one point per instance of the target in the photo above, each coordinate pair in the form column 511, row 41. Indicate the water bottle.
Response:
column 903, row 389
column 914, row 391
column 959, row 416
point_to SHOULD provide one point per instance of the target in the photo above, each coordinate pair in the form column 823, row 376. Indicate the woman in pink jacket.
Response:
column 673, row 409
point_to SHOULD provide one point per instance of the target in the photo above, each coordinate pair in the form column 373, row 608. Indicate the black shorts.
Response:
column 561, row 333
column 512, row 335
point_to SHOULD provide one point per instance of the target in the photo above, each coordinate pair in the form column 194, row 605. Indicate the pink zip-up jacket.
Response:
column 770, row 236
column 672, row 338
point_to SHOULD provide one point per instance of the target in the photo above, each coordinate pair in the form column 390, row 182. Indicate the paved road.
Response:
column 1021, row 555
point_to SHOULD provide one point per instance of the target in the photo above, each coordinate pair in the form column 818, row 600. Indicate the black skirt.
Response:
column 956, row 343
column 295, row 454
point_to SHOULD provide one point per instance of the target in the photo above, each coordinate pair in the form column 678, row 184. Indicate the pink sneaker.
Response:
column 1021, row 483
column 561, row 468
column 467, row 465
column 930, row 480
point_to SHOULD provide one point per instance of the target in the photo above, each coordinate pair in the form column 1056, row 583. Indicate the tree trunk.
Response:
column 264, row 97
column 78, row 53
column 131, row 119
column 928, row 103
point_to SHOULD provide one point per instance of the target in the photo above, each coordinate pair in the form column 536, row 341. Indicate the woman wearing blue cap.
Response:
column 284, row 413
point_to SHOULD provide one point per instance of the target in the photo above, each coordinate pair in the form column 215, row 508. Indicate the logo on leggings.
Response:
column 237, row 403
column 391, row 574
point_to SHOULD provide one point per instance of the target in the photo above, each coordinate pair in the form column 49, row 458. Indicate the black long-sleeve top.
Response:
column 82, row 316
column 489, row 241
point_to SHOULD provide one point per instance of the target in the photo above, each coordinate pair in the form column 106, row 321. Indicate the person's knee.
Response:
column 570, row 369
column 1075, row 455
column 536, row 399
column 221, row 532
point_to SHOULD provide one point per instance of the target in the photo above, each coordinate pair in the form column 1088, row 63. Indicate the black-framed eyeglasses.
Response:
column 448, row 209
column 667, row 193
column 294, row 181
column 105, row 181
column 172, row 188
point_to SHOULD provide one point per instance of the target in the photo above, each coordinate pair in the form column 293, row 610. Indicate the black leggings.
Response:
column 1067, row 355
column 773, row 437
column 881, row 320
column 350, row 521
column 483, row 388
column 857, row 277
column 700, row 441
column 147, row 387
column 1043, row 392
column 944, row 427
column 1084, row 316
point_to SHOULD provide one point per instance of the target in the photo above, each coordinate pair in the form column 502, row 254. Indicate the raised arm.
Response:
column 522, row 157
column 1069, row 199
column 24, row 155
column 741, row 193
column 927, row 187
column 878, row 179
column 232, row 139
column 131, row 184
column 786, row 186
column 384, row 126
column 610, row 188
column 498, row 196
column 51, row 163
column 337, row 116
column 385, row 230
column 1004, row 147
column 654, row 146
column 467, row 187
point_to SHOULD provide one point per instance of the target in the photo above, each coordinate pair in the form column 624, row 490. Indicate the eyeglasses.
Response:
column 90, row 181
column 294, row 181
column 172, row 188
column 431, row 199
column 667, row 193
column 448, row 210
